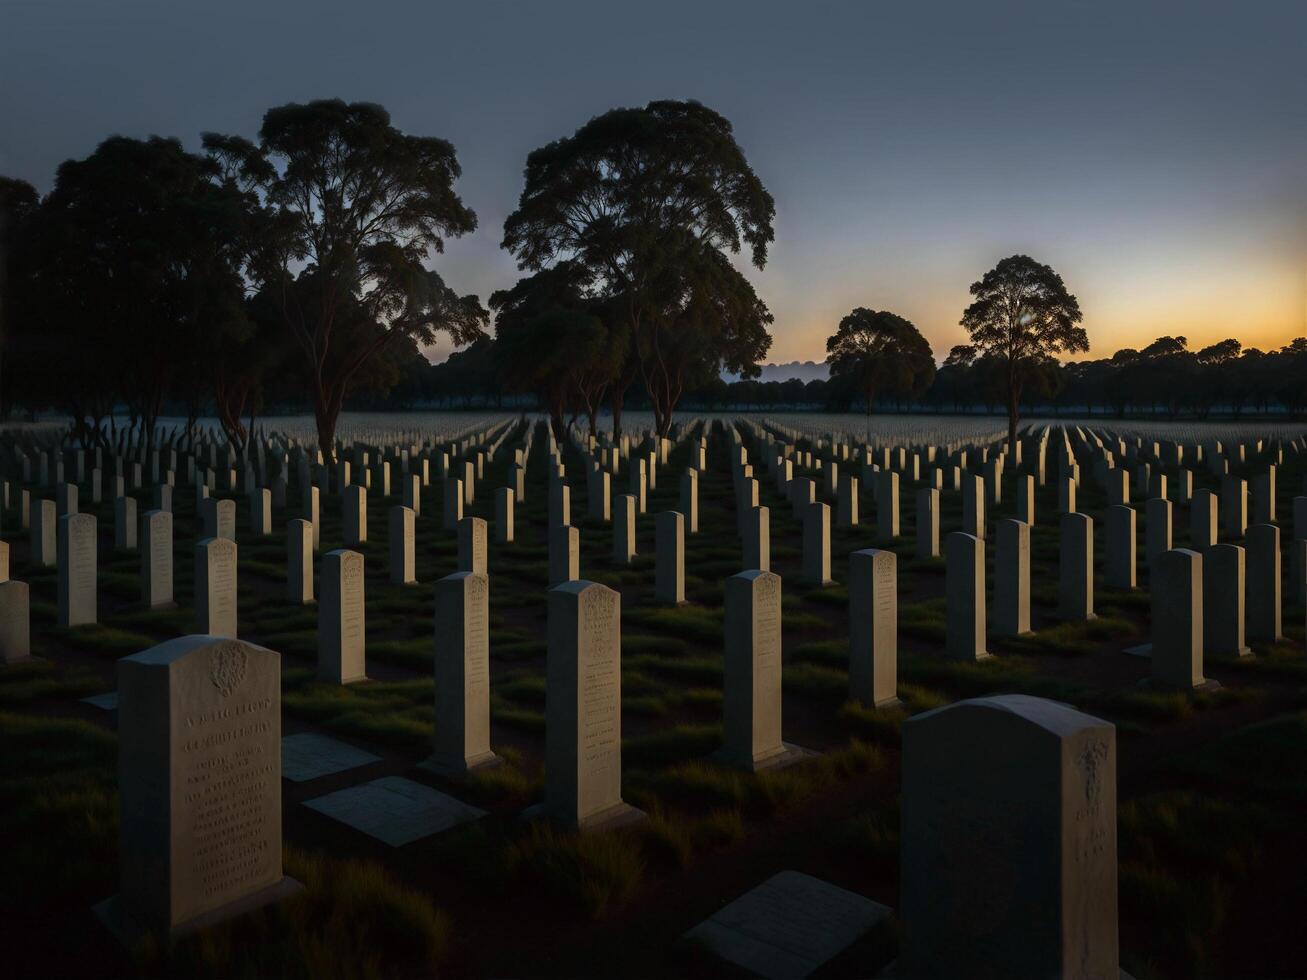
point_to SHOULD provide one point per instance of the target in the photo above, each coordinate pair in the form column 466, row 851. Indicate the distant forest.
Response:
column 1165, row 378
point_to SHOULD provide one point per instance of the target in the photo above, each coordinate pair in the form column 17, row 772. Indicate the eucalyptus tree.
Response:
column 1021, row 315
column 650, row 201
column 18, row 202
column 355, row 207
column 134, row 253
column 880, row 353
column 551, row 341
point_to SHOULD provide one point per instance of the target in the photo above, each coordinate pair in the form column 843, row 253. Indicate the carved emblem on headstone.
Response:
column 227, row 667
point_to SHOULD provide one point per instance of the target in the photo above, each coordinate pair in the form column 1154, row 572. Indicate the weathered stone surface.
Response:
column 788, row 926
column 215, row 587
column 874, row 627
column 394, row 810
column 15, row 622
column 1177, row 620
column 1012, row 579
column 77, row 589
column 1008, row 842
column 309, row 756
column 402, row 545
column 583, row 729
column 462, row 676
column 341, row 622
column 1075, row 593
column 156, row 559
column 669, row 558
column 964, row 590
column 199, row 773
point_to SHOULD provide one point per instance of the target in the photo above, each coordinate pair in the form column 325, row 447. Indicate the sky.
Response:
column 1153, row 153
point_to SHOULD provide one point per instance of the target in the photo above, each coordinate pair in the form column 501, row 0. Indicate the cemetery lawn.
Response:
column 1212, row 786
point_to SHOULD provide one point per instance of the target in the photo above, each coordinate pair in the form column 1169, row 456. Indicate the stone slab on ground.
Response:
column 309, row 756
column 394, row 810
column 108, row 702
column 789, row 925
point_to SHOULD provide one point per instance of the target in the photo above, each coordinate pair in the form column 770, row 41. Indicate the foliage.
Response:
column 880, row 353
column 649, row 202
column 1022, row 315
column 355, row 206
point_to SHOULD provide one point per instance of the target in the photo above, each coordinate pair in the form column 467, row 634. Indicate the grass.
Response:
column 107, row 640
column 397, row 712
column 353, row 920
column 701, row 785
column 58, row 796
column 40, row 680
column 1181, row 856
column 589, row 871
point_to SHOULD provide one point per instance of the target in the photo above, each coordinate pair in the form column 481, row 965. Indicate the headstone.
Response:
column 341, row 621
column 887, row 506
column 560, row 503
column 199, row 775
column 261, row 512
column 1159, row 528
column 472, row 545
column 669, row 558
column 564, row 554
column 1202, row 520
column 816, row 544
column 218, row 517
column 1066, row 495
column 624, row 529
column 402, row 546
column 1177, row 613
column 1121, row 560
column 215, row 587
column 690, row 500
column 752, row 721
column 77, row 592
column 874, row 627
column 1026, row 499
column 354, row 501
column 156, row 559
column 583, row 727
column 1263, row 564
column 927, row 523
column 44, row 534
column 462, row 676
column 973, row 506
column 1012, row 579
column 453, row 504
column 1223, row 602
column 15, row 622
column 964, row 590
column 312, row 514
column 504, row 515
column 1075, row 592
column 757, row 539
column 299, row 561
column 1008, row 841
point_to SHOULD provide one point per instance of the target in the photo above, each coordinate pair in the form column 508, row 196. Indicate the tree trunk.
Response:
column 615, row 400
column 1013, row 414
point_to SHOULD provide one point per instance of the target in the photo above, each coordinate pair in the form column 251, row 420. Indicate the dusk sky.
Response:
column 1154, row 153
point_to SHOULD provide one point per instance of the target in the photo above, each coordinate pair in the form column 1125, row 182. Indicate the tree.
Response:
column 549, row 340
column 18, row 201
column 1022, row 313
column 649, row 202
column 136, row 256
column 880, row 353
column 355, row 208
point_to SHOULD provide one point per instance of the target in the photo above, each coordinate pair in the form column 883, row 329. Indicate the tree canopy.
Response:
column 354, row 208
column 650, row 202
column 880, row 353
column 1022, row 314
